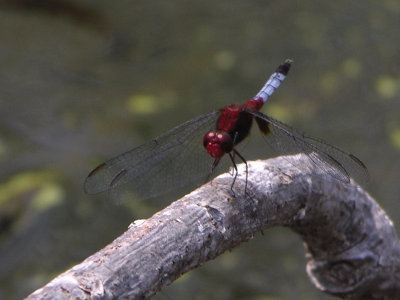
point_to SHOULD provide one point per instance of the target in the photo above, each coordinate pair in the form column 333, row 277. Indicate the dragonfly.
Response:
column 194, row 152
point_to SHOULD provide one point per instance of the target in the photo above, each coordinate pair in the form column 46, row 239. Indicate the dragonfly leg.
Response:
column 232, row 157
column 232, row 169
column 247, row 169
column 213, row 166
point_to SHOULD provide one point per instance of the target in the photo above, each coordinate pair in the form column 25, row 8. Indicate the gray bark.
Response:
column 352, row 248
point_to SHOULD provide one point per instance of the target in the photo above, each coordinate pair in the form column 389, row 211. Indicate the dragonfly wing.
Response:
column 331, row 159
column 171, row 161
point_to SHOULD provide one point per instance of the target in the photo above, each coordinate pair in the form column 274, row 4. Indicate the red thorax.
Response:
column 233, row 125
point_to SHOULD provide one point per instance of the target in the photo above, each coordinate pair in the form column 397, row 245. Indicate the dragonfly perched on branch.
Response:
column 193, row 152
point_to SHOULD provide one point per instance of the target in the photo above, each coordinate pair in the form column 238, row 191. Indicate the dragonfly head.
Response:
column 217, row 143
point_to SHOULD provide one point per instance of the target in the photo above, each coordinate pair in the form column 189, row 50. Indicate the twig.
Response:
column 352, row 248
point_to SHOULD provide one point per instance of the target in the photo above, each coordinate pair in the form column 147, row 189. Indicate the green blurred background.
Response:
column 82, row 81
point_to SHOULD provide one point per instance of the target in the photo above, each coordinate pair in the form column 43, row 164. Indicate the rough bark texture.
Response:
column 352, row 248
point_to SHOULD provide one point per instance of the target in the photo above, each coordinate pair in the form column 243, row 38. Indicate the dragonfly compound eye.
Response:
column 217, row 143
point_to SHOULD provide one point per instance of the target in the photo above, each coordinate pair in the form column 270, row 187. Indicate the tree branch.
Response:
column 352, row 248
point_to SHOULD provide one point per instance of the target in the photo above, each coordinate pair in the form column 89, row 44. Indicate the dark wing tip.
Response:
column 358, row 161
column 285, row 67
column 89, row 186
column 365, row 174
column 117, row 177
column 98, row 181
column 97, row 169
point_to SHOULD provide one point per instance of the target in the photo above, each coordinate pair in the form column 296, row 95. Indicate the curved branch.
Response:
column 352, row 247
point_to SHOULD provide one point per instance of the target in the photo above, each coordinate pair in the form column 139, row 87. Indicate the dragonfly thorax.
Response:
column 217, row 143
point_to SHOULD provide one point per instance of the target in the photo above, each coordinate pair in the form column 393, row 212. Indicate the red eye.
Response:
column 217, row 143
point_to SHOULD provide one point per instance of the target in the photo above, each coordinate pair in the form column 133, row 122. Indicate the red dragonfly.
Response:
column 177, row 159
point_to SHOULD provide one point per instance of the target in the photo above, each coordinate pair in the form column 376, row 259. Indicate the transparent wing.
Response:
column 331, row 159
column 173, row 160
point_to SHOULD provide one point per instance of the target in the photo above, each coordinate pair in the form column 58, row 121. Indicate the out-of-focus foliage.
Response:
column 388, row 87
column 82, row 81
column 143, row 104
column 395, row 138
